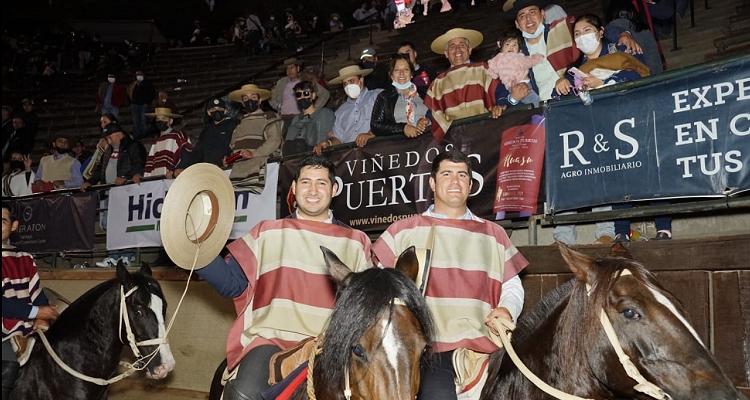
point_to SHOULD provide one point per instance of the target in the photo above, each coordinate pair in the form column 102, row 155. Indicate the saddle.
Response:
column 285, row 362
column 22, row 346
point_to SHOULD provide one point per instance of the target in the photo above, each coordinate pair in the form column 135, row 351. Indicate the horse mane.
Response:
column 360, row 300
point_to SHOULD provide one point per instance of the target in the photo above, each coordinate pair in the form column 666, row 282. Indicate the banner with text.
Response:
column 386, row 181
column 683, row 137
column 135, row 211
column 56, row 224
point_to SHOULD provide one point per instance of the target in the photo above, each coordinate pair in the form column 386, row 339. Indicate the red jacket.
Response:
column 119, row 96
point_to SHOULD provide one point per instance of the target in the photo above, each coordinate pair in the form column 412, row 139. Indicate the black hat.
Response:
column 512, row 7
column 112, row 127
column 217, row 102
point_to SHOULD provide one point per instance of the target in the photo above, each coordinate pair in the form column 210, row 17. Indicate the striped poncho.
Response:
column 470, row 261
column 165, row 153
column 290, row 293
column 21, row 291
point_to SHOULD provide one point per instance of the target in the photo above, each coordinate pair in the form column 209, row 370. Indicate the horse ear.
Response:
column 618, row 250
column 123, row 276
column 580, row 264
column 338, row 270
column 145, row 269
column 408, row 263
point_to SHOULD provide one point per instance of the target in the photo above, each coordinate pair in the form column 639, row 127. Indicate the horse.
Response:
column 90, row 335
column 563, row 341
column 377, row 339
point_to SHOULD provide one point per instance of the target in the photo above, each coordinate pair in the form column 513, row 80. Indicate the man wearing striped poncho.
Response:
column 473, row 273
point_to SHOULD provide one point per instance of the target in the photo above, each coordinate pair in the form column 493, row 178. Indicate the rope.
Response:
column 310, row 367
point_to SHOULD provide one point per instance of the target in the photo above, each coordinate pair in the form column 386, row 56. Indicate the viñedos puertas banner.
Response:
column 386, row 181
column 683, row 137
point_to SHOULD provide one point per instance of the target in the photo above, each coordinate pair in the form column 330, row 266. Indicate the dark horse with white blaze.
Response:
column 378, row 335
column 563, row 341
column 90, row 335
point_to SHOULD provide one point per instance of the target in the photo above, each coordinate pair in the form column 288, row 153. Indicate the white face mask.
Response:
column 539, row 31
column 352, row 90
column 139, row 78
column 399, row 86
column 587, row 43
column 111, row 80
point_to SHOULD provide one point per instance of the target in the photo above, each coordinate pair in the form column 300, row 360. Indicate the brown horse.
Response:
column 563, row 342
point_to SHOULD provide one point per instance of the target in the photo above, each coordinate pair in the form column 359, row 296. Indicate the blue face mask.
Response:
column 399, row 86
column 539, row 31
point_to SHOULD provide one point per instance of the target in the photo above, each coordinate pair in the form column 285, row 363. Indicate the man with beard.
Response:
column 59, row 169
column 257, row 137
column 214, row 140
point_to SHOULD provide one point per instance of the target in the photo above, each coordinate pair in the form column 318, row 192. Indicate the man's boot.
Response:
column 10, row 373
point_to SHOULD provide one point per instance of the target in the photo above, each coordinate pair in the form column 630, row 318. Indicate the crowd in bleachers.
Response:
column 391, row 96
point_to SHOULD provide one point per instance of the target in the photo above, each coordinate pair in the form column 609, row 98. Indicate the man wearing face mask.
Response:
column 19, row 179
column 59, row 169
column 141, row 93
column 353, row 117
column 540, row 38
column 110, row 97
column 379, row 78
column 464, row 90
column 213, row 143
column 257, row 137
column 168, row 149
column 282, row 97
column 311, row 126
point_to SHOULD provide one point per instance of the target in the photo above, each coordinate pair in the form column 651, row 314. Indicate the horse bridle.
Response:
column 138, row 365
column 504, row 327
column 317, row 350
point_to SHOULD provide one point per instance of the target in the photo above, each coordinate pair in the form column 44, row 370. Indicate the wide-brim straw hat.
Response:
column 251, row 88
column 346, row 72
column 512, row 7
column 475, row 39
column 197, row 215
column 167, row 112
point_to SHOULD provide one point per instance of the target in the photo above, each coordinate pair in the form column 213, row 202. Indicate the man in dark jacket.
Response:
column 213, row 142
column 142, row 93
column 30, row 118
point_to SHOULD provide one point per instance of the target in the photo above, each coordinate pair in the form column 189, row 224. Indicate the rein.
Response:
column 311, row 363
column 129, row 368
column 504, row 327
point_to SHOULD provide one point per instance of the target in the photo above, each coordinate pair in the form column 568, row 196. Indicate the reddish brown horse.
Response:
column 564, row 344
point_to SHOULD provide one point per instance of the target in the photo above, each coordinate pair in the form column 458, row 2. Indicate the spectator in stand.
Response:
column 282, row 96
column 257, row 137
column 255, row 32
column 214, row 140
column 164, row 101
column 110, row 97
column 423, row 76
column 466, row 89
column 25, row 307
column 379, row 78
column 30, row 117
column 336, row 24
column 624, row 16
column 512, row 68
column 19, row 140
column 123, row 161
column 106, row 119
column 364, row 15
column 292, row 29
column 141, row 93
column 59, row 169
column 7, row 122
column 353, row 117
column 81, row 154
column 20, row 177
column 310, row 74
column 309, row 127
column 398, row 110
column 166, row 151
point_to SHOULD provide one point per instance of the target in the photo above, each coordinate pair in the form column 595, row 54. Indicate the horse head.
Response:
column 651, row 328
column 379, row 333
column 142, row 319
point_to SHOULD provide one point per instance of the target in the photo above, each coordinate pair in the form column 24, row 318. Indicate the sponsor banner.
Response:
column 386, row 181
column 56, row 224
column 521, row 161
column 135, row 211
column 683, row 137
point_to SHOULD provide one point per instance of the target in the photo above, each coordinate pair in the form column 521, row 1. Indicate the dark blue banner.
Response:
column 684, row 137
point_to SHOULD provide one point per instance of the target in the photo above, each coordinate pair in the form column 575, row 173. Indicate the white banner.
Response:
column 135, row 211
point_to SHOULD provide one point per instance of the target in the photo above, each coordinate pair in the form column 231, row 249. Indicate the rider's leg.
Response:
column 252, row 376
column 10, row 369
column 438, row 381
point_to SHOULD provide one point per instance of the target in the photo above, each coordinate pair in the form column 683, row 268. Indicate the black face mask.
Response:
column 59, row 150
column 304, row 104
column 162, row 125
column 217, row 115
column 250, row 105
column 368, row 65
column 16, row 165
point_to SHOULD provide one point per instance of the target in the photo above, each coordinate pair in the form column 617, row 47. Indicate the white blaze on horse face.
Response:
column 392, row 345
column 665, row 301
column 167, row 360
